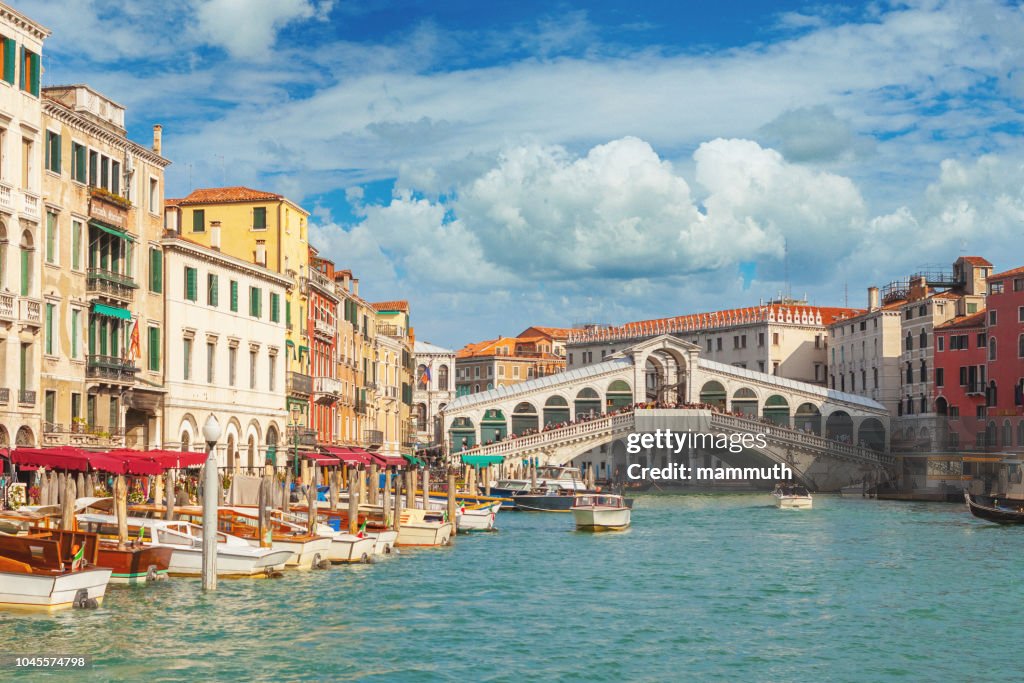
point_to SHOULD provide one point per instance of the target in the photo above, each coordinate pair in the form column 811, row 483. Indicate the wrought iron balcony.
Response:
column 298, row 383
column 301, row 436
column 27, row 397
column 110, row 368
column 110, row 284
column 373, row 437
column 5, row 396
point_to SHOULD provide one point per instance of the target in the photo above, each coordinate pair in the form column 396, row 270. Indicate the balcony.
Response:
column 373, row 438
column 298, row 383
column 7, row 307
column 26, row 397
column 390, row 330
column 321, row 280
column 5, row 396
column 30, row 311
column 30, row 204
column 327, row 389
column 55, row 434
column 324, row 329
column 105, row 283
column 6, row 197
column 301, row 436
column 110, row 369
column 390, row 393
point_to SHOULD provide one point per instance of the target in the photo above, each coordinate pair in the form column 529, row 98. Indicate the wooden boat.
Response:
column 792, row 497
column 133, row 563
column 235, row 556
column 36, row 575
column 307, row 550
column 423, row 528
column 566, row 480
column 479, row 517
column 343, row 548
column 600, row 512
column 998, row 510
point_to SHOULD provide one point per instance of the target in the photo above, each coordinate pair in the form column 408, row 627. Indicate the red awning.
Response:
column 323, row 459
column 385, row 460
column 349, row 456
column 165, row 459
column 68, row 458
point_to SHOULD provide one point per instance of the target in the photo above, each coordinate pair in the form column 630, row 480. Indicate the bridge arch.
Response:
column 588, row 402
column 618, row 394
column 839, row 426
column 524, row 417
column 713, row 393
column 668, row 367
column 808, row 418
column 776, row 409
column 744, row 400
column 556, row 409
column 493, row 426
column 462, row 434
column 871, row 434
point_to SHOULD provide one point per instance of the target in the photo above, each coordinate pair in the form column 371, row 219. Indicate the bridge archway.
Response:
column 744, row 401
column 493, row 426
column 556, row 410
column 666, row 369
column 839, row 427
column 713, row 393
column 524, row 418
column 807, row 418
column 462, row 434
column 776, row 409
column 871, row 434
column 588, row 402
column 619, row 394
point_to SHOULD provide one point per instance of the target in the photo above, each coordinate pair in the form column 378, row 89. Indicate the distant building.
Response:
column 435, row 389
column 960, row 369
column 1005, row 361
column 394, row 428
column 506, row 360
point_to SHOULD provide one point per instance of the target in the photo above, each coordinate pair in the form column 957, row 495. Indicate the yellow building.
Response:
column 269, row 230
column 394, row 369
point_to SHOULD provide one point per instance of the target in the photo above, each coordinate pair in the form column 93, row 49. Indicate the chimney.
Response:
column 873, row 301
column 157, row 137
column 171, row 219
column 215, row 235
column 261, row 253
column 355, row 286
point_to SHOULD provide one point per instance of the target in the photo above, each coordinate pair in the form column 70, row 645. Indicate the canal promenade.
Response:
column 716, row 587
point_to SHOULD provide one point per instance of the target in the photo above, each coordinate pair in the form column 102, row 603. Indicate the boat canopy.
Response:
column 482, row 460
column 413, row 460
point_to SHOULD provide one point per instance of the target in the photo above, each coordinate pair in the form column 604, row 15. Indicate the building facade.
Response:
column 225, row 346
column 391, row 416
column 1005, row 361
column 960, row 370
column 323, row 349
column 435, row 389
column 22, row 240
column 102, row 370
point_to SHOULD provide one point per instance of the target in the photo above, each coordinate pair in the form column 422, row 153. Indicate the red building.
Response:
column 322, row 307
column 960, row 356
column 1005, row 324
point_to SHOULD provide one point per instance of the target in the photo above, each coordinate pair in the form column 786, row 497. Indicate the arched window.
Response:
column 924, row 339
column 924, row 403
column 26, row 263
column 910, row 342
column 442, row 378
column 1007, row 433
column 924, row 370
column 910, row 374
column 991, row 398
column 991, row 348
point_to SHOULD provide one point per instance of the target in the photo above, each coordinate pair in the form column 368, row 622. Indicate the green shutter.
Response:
column 21, row 67
column 275, row 307
column 156, row 271
column 214, row 286
column 288, row 312
column 154, row 348
column 49, row 329
column 199, row 220
column 9, row 52
column 76, row 245
column 259, row 218
column 234, row 296
column 190, row 284
column 25, row 263
column 33, row 59
column 75, row 315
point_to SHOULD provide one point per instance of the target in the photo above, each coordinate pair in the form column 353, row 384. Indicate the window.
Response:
column 115, row 177
column 94, row 160
column 76, row 408
column 234, row 296
column 52, row 151
column 154, row 195
column 90, row 410
column 272, row 367
column 972, row 308
column 1018, row 284
column 992, row 349
column 232, row 364
column 259, row 218
column 991, row 317
column 187, row 359
column 104, row 171
column 199, row 220
column 501, row 371
column 940, row 377
column 191, row 287
column 775, row 338
column 153, row 344
column 515, row 372
column 29, row 71
column 9, row 52
column 924, row 371
column 981, row 340
column 27, row 164
column 940, row 343
column 49, row 328
column 51, row 237
column 76, row 330
column 255, row 302
column 252, row 369
column 924, row 339
column 718, row 343
column 211, row 358
column 1020, row 314
column 909, row 342
column 76, row 245
column 709, row 345
column 212, row 289
column 156, row 271
column 78, row 162
column 1020, row 346
column 49, row 406
column 275, row 307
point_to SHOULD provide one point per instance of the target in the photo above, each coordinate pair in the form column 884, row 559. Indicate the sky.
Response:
column 509, row 164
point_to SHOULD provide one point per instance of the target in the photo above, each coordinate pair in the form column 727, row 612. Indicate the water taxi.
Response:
column 601, row 512
column 792, row 497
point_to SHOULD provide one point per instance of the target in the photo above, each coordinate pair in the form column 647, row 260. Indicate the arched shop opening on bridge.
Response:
column 619, row 394
column 745, row 401
column 556, row 410
column 493, row 427
column 462, row 434
column 524, row 418
column 713, row 393
column 839, row 427
column 588, row 402
column 808, row 418
column 776, row 409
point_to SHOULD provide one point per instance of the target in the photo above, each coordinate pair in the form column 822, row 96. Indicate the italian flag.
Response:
column 78, row 559
column 362, row 530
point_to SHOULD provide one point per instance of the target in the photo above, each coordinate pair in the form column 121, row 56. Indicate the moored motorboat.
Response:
column 36, row 575
column 307, row 550
column 479, row 517
column 601, row 512
column 131, row 563
column 792, row 497
column 423, row 528
column 549, row 477
column 994, row 509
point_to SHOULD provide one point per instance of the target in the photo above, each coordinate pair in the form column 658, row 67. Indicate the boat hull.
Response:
column 601, row 519
column 478, row 518
column 347, row 548
column 544, row 503
column 189, row 562
column 304, row 554
column 47, row 592
column 987, row 508
column 793, row 502
column 135, row 565
column 424, row 534
column 383, row 541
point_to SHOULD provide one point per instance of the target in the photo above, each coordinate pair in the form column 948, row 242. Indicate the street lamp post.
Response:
column 211, row 433
column 296, row 423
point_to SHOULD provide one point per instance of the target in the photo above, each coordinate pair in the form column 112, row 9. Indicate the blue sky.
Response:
column 553, row 163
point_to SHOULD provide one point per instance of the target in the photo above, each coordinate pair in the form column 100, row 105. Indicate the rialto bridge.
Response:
column 828, row 438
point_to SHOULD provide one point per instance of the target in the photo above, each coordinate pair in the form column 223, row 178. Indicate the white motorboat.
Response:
column 423, row 528
column 479, row 517
column 792, row 497
column 23, row 587
column 235, row 556
column 600, row 512
column 307, row 550
column 383, row 540
column 567, row 480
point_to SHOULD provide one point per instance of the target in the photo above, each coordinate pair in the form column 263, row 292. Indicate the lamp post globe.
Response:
column 211, row 429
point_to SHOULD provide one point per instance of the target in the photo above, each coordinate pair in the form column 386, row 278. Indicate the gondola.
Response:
column 990, row 509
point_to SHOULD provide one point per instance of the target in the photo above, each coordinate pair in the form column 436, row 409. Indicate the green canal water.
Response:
column 710, row 587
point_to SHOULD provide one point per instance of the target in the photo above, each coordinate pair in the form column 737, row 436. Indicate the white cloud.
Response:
column 248, row 28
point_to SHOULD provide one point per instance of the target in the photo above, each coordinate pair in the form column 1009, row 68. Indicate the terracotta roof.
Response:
column 1007, row 273
column 736, row 316
column 391, row 306
column 222, row 195
column 972, row 320
column 172, row 202
column 976, row 260
column 553, row 332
